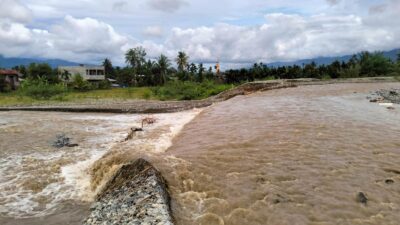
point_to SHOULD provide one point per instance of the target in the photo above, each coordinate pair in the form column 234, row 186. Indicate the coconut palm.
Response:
column 182, row 61
column 135, row 57
column 163, row 64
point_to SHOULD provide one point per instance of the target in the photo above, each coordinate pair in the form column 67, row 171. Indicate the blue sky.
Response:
column 230, row 30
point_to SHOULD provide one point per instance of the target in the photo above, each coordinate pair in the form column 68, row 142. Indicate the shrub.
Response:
column 104, row 84
column 40, row 89
column 325, row 77
column 80, row 84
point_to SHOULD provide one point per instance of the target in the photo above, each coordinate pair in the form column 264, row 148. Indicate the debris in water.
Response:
column 148, row 120
column 362, row 198
column 132, row 132
column 63, row 141
column 389, row 181
column 379, row 99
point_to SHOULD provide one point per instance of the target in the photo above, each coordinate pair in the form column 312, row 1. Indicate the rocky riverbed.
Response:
column 137, row 194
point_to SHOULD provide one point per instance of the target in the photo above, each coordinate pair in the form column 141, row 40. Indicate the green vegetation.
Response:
column 187, row 90
column 174, row 90
column 40, row 88
column 156, row 79
column 365, row 64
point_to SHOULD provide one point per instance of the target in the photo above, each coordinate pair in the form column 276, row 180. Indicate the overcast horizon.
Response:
column 234, row 32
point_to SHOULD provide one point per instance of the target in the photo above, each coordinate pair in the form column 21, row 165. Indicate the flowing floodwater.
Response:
column 289, row 156
column 41, row 184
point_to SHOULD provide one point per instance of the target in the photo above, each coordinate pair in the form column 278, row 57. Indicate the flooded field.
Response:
column 289, row 156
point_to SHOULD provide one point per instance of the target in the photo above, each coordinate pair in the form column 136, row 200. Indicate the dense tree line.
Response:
column 365, row 64
column 141, row 71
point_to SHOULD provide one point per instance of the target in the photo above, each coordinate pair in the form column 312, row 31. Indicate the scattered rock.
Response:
column 379, row 99
column 362, row 198
column 391, row 108
column 72, row 145
column 63, row 141
column 132, row 132
column 389, row 96
column 136, row 194
column 389, row 181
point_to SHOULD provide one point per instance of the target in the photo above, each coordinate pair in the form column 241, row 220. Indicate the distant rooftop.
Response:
column 9, row 72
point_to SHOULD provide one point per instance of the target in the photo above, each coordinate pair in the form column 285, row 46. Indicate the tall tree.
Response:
column 109, row 69
column 193, row 68
column 163, row 64
column 135, row 57
column 200, row 75
column 182, row 61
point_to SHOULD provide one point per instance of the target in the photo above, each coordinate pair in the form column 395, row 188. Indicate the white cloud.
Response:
column 15, row 11
column 153, row 31
column 348, row 27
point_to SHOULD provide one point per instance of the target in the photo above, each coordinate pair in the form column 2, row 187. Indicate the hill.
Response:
column 11, row 62
column 328, row 60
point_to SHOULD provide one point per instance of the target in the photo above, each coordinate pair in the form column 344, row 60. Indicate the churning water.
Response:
column 40, row 183
column 289, row 156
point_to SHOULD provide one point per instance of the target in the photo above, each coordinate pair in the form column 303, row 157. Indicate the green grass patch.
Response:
column 186, row 90
column 176, row 90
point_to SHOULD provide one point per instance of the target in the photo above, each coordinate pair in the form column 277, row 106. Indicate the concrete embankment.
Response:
column 141, row 106
column 136, row 194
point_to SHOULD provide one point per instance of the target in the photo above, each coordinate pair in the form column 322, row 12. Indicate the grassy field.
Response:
column 171, row 91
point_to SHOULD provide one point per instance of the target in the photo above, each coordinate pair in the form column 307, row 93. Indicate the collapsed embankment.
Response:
column 140, row 106
column 136, row 194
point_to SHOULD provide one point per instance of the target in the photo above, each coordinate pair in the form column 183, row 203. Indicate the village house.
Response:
column 89, row 73
column 11, row 77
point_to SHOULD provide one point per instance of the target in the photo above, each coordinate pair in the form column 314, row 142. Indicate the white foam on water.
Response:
column 73, row 180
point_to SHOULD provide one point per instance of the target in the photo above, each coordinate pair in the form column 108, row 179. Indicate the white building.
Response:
column 89, row 73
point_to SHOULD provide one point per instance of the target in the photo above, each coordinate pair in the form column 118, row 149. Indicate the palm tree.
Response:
column 135, row 57
column 163, row 65
column 182, row 61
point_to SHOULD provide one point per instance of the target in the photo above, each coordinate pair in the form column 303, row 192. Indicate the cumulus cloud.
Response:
column 274, row 37
column 285, row 37
column 15, row 11
column 167, row 5
column 153, row 31
column 74, row 39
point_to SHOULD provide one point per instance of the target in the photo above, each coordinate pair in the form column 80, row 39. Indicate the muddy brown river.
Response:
column 283, row 157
